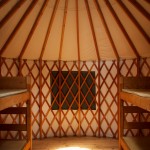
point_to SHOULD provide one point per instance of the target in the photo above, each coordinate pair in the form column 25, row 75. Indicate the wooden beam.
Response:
column 49, row 28
column 60, row 109
column 106, row 28
column 122, row 29
column 77, row 23
column 79, row 97
column 14, row 110
column 40, row 96
column 99, row 100
column 29, row 119
column 79, row 71
column 136, row 125
column 3, row 2
column 13, row 127
column 33, row 28
column 29, row 9
column 63, row 28
column 140, row 8
column 134, row 20
column 20, row 105
column 10, row 13
column 92, row 28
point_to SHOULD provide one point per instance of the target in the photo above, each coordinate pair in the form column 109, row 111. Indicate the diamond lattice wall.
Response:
column 47, row 122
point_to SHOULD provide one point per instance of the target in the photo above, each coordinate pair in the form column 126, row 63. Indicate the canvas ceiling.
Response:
column 74, row 29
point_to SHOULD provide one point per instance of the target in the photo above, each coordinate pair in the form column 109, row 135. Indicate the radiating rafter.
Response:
column 122, row 29
column 29, row 9
column 140, row 8
column 49, row 28
column 3, row 2
column 10, row 13
column 106, row 28
column 133, row 20
column 33, row 28
column 63, row 28
column 77, row 23
column 92, row 28
column 79, row 71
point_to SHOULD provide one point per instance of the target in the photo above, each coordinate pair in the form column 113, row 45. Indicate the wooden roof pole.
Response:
column 140, row 8
column 125, row 34
column 63, row 29
column 122, row 29
column 98, row 57
column 59, row 60
column 134, row 20
column 77, row 23
column 106, row 28
column 29, row 9
column 3, row 2
column 10, row 13
column 49, row 28
column 79, row 71
column 33, row 28
column 111, row 41
column 92, row 28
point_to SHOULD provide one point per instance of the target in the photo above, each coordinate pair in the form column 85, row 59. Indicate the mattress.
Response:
column 139, row 92
column 8, row 92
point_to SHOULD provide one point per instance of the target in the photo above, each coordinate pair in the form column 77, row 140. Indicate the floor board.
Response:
column 76, row 143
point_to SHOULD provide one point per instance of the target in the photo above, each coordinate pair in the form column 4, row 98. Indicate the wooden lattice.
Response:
column 108, row 99
column 32, row 68
column 89, row 118
column 47, row 122
column 50, row 118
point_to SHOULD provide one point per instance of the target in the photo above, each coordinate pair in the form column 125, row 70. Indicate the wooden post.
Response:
column 99, row 99
column 79, row 102
column 60, row 124
column 40, row 96
column 138, row 75
column 120, row 105
column 0, row 76
column 29, row 123
column 121, row 118
column 20, row 115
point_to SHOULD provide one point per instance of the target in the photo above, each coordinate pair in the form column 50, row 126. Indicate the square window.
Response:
column 67, row 82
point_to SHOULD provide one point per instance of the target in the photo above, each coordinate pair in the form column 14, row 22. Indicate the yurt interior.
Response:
column 74, row 74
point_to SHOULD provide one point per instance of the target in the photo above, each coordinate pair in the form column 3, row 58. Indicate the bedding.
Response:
column 139, row 92
column 8, row 92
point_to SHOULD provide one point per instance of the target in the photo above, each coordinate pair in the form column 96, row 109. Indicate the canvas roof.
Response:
column 72, row 30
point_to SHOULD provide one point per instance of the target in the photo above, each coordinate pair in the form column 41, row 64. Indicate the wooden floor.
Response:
column 76, row 143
